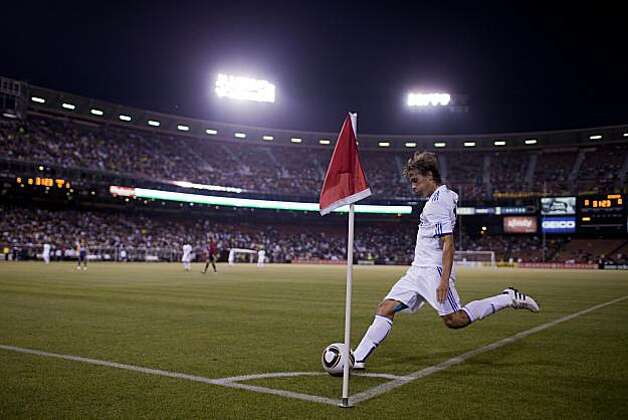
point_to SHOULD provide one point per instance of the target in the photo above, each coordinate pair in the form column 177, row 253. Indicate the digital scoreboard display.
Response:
column 604, row 213
column 43, row 182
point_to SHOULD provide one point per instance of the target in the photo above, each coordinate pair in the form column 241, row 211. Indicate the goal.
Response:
column 475, row 258
column 241, row 255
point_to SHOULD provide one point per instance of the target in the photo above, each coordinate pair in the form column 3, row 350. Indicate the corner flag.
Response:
column 345, row 182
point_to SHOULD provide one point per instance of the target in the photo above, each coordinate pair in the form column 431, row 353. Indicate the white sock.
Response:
column 480, row 309
column 376, row 333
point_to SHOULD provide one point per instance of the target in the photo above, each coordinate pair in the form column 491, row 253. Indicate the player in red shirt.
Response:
column 211, row 255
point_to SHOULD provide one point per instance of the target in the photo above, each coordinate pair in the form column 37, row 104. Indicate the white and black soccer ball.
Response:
column 332, row 359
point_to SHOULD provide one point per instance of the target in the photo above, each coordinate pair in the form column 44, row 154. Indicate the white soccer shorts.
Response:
column 419, row 285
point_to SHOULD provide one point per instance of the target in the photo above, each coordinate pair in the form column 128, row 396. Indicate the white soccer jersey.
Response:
column 46, row 249
column 438, row 218
column 187, row 251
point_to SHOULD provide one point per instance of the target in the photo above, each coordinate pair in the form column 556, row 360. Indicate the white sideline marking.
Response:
column 396, row 381
column 389, row 386
column 227, row 382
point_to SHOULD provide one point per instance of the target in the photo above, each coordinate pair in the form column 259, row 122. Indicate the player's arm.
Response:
column 448, row 261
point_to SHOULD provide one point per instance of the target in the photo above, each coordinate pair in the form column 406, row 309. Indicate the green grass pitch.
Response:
column 244, row 321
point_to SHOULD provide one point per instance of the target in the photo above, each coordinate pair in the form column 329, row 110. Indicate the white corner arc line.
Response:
column 292, row 374
column 389, row 386
column 281, row 393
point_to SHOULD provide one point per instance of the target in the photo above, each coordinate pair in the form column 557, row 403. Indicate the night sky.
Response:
column 524, row 68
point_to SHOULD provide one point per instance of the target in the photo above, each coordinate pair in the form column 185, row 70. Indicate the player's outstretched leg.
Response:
column 214, row 266
column 377, row 332
column 206, row 267
column 483, row 308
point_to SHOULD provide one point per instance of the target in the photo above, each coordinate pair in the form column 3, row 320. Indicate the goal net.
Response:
column 241, row 255
column 475, row 258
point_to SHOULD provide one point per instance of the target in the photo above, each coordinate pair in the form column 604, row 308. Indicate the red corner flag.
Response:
column 345, row 182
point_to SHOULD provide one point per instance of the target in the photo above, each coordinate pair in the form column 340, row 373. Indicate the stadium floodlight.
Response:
column 182, row 127
column 440, row 144
column 10, row 115
column 418, row 99
column 238, row 135
column 384, row 144
column 68, row 106
column 469, row 144
column 296, row 140
column 595, row 137
column 410, row 144
column 38, row 100
column 154, row 123
column 123, row 117
column 244, row 88
column 268, row 138
column 530, row 141
column 211, row 131
column 324, row 141
column 95, row 111
column 625, row 134
column 499, row 143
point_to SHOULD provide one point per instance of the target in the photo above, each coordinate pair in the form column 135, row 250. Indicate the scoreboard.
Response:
column 43, row 182
column 602, row 213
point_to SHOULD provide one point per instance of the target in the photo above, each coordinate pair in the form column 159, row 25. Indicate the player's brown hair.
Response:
column 424, row 163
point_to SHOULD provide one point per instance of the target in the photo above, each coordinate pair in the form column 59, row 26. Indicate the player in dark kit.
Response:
column 211, row 255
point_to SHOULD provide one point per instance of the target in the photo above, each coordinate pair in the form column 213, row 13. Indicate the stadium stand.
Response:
column 476, row 175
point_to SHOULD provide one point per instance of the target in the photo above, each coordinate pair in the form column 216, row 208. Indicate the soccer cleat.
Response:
column 521, row 301
column 359, row 366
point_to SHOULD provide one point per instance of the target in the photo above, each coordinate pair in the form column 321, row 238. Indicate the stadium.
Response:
column 134, row 333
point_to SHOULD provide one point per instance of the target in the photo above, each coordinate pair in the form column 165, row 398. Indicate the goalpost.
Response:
column 241, row 254
column 475, row 258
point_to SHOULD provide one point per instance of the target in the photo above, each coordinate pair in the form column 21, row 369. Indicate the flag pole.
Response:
column 347, row 346
column 344, row 184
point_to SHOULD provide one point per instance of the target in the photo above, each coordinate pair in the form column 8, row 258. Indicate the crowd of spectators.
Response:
column 296, row 170
column 27, row 230
column 601, row 168
column 553, row 169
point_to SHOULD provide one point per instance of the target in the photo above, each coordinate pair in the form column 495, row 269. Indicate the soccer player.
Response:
column 211, row 255
column 431, row 277
column 46, row 253
column 81, row 251
column 187, row 256
column 261, row 257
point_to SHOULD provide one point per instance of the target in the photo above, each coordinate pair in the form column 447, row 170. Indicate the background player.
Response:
column 187, row 256
column 81, row 251
column 261, row 257
column 431, row 277
column 211, row 255
column 46, row 253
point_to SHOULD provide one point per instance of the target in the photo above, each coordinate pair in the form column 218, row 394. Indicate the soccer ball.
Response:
column 332, row 359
